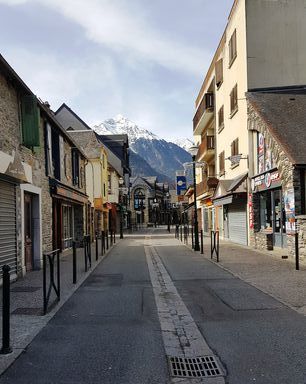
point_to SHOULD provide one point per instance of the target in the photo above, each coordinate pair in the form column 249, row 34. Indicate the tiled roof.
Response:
column 285, row 116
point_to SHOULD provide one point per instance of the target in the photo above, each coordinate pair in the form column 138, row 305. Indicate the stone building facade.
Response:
column 25, row 233
column 276, row 200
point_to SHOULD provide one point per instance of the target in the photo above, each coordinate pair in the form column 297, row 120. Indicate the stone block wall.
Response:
column 10, row 142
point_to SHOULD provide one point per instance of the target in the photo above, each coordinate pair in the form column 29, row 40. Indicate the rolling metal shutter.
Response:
column 237, row 222
column 8, row 249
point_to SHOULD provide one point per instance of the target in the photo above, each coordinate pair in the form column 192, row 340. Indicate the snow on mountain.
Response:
column 162, row 156
column 119, row 125
column 184, row 143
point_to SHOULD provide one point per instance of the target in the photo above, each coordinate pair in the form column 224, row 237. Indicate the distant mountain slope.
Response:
column 162, row 157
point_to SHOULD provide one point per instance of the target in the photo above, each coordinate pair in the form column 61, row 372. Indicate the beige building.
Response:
column 261, row 48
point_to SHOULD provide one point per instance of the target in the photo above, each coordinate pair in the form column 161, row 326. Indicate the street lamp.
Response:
column 193, row 151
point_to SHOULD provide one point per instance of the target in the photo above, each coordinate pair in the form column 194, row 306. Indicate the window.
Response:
column 235, row 147
column 234, row 100
column 30, row 121
column 232, row 48
column 75, row 167
column 221, row 164
column 235, row 159
column 104, row 190
column 221, row 119
column 109, row 183
column 48, row 150
column 219, row 72
column 139, row 199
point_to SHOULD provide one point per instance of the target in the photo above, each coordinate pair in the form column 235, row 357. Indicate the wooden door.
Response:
column 28, row 232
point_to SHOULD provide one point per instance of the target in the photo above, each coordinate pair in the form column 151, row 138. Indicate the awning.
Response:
column 226, row 189
column 223, row 201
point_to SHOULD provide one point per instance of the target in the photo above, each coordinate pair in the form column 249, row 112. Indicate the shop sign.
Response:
column 181, row 185
column 265, row 181
column 251, row 216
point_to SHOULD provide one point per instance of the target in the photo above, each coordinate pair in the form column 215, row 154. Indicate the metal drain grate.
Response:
column 205, row 366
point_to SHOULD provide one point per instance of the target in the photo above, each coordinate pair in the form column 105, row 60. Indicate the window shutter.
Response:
column 61, row 156
column 30, row 121
column 219, row 72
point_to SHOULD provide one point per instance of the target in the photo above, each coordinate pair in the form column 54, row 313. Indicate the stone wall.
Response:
column 290, row 181
column 10, row 142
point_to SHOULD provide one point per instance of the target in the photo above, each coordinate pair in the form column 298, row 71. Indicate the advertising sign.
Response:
column 181, row 185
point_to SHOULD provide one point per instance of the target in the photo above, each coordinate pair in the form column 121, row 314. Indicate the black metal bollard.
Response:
column 6, row 348
column 107, row 244
column 97, row 248
column 111, row 237
column 74, row 263
column 202, row 247
column 297, row 256
column 102, row 243
column 86, row 253
column 114, row 237
column 181, row 230
column 192, row 239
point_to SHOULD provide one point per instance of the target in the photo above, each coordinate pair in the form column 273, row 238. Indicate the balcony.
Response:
column 206, row 151
column 204, row 113
column 206, row 185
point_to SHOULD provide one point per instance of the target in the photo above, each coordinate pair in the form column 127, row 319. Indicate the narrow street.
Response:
column 153, row 298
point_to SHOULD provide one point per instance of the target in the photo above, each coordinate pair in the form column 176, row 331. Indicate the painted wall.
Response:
column 276, row 33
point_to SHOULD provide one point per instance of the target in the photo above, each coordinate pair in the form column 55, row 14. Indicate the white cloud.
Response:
column 113, row 24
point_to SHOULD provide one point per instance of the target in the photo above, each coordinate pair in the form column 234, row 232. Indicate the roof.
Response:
column 88, row 142
column 284, row 113
column 9, row 73
column 65, row 106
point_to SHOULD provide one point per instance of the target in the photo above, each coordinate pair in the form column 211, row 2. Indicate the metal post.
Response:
column 74, row 261
column 114, row 237
column 107, row 245
column 102, row 243
column 121, row 224
column 196, row 228
column 218, row 244
column 202, row 247
column 192, row 238
column 45, row 282
column 6, row 348
column 297, row 257
column 211, row 243
column 58, row 276
column 181, row 229
column 97, row 248
column 85, row 253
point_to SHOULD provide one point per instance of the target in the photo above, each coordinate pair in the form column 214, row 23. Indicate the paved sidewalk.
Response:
column 27, row 296
column 267, row 272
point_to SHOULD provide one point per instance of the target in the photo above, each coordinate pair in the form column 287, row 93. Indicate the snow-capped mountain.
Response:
column 162, row 156
column 184, row 143
column 119, row 125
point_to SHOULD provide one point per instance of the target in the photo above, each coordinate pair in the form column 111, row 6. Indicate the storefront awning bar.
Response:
column 223, row 201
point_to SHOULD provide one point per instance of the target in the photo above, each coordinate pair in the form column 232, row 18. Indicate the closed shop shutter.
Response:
column 237, row 222
column 8, row 249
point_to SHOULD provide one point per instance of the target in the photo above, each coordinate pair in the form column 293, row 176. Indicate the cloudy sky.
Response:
column 144, row 59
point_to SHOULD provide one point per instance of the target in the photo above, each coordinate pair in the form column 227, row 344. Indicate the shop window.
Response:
column 68, row 225
column 139, row 199
column 265, row 210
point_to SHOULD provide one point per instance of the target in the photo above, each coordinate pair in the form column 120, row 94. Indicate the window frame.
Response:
column 234, row 100
column 232, row 48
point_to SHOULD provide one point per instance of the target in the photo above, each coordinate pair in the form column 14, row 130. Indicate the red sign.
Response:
column 251, row 215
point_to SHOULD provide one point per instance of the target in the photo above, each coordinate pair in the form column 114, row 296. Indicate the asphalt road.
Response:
column 109, row 331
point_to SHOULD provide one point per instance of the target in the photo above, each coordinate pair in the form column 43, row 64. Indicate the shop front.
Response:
column 271, row 206
column 69, row 213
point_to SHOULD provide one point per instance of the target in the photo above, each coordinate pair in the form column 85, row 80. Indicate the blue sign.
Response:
column 181, row 185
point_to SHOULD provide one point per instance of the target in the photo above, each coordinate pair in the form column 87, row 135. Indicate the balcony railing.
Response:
column 207, row 103
column 207, row 144
column 206, row 185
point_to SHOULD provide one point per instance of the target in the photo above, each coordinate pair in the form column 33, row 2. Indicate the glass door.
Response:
column 279, row 219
